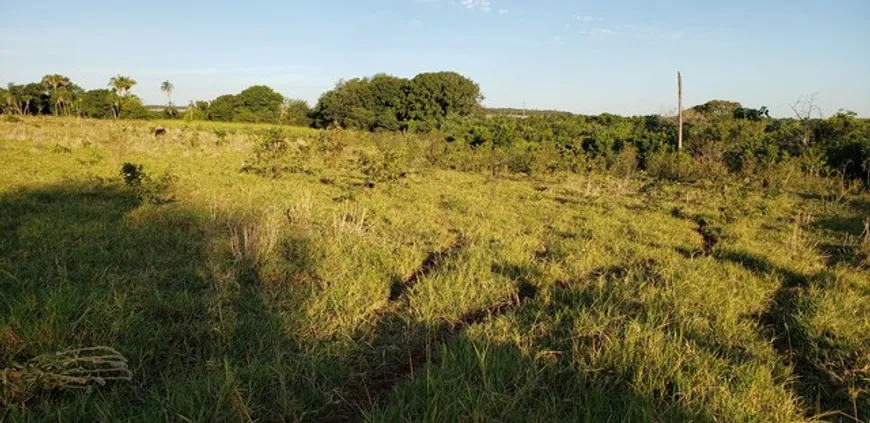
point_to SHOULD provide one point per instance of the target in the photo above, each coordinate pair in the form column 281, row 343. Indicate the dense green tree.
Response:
column 847, row 142
column 260, row 99
column 392, row 103
column 748, row 113
column 717, row 109
column 389, row 96
column 202, row 106
column 295, row 112
column 224, row 108
column 351, row 104
column 434, row 96
column 257, row 103
column 33, row 98
column 133, row 108
column 99, row 103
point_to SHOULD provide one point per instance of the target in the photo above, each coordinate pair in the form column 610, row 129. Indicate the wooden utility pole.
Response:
column 680, row 110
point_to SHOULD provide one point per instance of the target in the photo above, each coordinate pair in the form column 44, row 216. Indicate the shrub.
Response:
column 547, row 159
column 678, row 167
column 221, row 135
column 382, row 166
column 170, row 112
column 813, row 161
column 99, row 103
column 132, row 108
column 520, row 158
column 132, row 174
column 146, row 187
column 274, row 156
column 268, row 155
column 852, row 158
column 330, row 144
column 625, row 163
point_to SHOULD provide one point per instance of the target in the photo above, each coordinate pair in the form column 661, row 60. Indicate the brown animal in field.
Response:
column 159, row 132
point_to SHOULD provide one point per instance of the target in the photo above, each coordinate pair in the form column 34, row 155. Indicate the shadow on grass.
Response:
column 84, row 265
column 646, row 271
column 818, row 378
column 468, row 375
column 79, row 271
column 853, row 226
column 476, row 379
column 710, row 235
column 813, row 196
column 849, row 232
column 861, row 205
column 438, row 372
column 835, row 254
column 399, row 346
column 433, row 261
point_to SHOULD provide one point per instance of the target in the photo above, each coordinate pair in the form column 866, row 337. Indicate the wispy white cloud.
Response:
column 639, row 32
column 556, row 39
column 482, row 5
column 586, row 18
column 503, row 11
column 643, row 32
column 599, row 32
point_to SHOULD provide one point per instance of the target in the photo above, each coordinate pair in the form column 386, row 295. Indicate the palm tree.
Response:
column 26, row 99
column 191, row 110
column 122, row 86
column 53, row 83
column 167, row 89
column 10, row 100
column 78, row 106
column 62, row 98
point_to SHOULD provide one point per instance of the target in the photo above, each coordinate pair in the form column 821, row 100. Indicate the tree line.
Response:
column 449, row 105
column 57, row 95
column 380, row 102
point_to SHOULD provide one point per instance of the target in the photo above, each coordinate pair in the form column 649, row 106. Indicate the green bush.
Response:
column 269, row 153
column 146, row 187
column 382, row 166
column 678, row 167
column 625, row 162
column 99, row 104
column 132, row 108
column 520, row 158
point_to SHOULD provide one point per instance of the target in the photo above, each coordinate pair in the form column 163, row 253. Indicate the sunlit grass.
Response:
column 335, row 292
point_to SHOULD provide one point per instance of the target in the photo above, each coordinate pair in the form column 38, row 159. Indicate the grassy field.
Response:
column 343, row 284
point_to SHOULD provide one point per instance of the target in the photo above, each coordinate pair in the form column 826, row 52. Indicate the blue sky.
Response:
column 587, row 57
